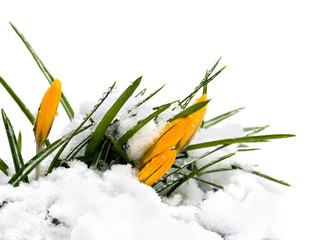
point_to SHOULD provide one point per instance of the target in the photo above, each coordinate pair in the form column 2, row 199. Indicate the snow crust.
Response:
column 80, row 203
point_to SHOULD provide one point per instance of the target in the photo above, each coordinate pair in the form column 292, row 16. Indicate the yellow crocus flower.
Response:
column 159, row 156
column 157, row 167
column 46, row 113
column 196, row 120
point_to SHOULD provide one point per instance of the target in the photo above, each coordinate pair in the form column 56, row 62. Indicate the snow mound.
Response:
column 79, row 203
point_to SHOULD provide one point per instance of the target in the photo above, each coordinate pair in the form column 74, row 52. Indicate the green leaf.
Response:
column 262, row 175
column 248, row 149
column 19, row 141
column 122, row 140
column 23, row 172
column 213, row 121
column 15, row 151
column 255, row 130
column 149, row 97
column 49, row 77
column 195, row 172
column 97, row 158
column 141, row 93
column 194, row 160
column 109, row 116
column 246, row 139
column 203, row 83
column 186, row 112
column 19, row 102
column 119, row 149
column 204, row 181
column 56, row 162
column 4, row 167
column 72, row 154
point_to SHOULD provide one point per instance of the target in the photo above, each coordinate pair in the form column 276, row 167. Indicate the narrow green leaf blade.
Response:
column 246, row 139
column 15, row 151
column 141, row 93
column 262, row 175
column 194, row 173
column 19, row 141
column 4, row 167
column 255, row 130
column 119, row 149
column 122, row 140
column 109, row 116
column 203, row 83
column 149, row 97
column 220, row 118
column 19, row 102
column 23, row 172
column 49, row 77
column 186, row 112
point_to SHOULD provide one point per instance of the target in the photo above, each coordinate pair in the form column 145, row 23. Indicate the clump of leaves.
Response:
column 99, row 148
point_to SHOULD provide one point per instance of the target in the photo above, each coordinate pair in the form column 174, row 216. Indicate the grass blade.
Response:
column 255, row 130
column 23, row 172
column 19, row 141
column 4, row 167
column 141, row 93
column 203, row 83
column 109, row 116
column 49, row 77
column 19, row 102
column 186, row 112
column 77, row 149
column 122, row 140
column 246, row 139
column 120, row 150
column 193, row 173
column 262, row 175
column 204, row 181
column 213, row 121
column 149, row 97
column 14, row 148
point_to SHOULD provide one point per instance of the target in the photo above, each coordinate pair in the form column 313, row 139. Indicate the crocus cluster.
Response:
column 159, row 156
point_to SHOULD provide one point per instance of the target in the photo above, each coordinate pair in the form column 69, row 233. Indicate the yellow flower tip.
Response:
column 168, row 138
column 196, row 119
column 157, row 167
column 46, row 113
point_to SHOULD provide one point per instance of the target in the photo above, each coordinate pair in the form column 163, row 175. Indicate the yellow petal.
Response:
column 46, row 113
column 168, row 138
column 196, row 119
column 157, row 167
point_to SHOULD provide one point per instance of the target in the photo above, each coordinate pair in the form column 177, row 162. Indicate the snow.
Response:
column 79, row 203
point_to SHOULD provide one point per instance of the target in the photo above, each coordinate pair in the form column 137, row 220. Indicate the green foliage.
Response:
column 19, row 102
column 49, row 77
column 13, row 143
column 4, row 167
column 106, row 121
column 213, row 121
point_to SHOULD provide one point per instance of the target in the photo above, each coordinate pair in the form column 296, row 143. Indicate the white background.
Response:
column 274, row 52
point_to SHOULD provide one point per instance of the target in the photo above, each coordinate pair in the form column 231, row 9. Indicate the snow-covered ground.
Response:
column 81, row 203
column 275, row 56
